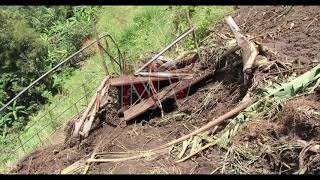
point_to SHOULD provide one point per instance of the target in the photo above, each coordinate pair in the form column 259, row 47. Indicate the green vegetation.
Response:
column 145, row 29
column 49, row 34
column 33, row 40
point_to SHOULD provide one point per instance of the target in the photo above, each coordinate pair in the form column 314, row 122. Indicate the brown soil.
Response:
column 294, row 36
column 276, row 140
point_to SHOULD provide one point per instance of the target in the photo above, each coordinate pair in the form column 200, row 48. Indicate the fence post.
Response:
column 85, row 92
column 193, row 34
column 124, row 64
column 75, row 105
column 21, row 144
column 39, row 138
column 104, row 66
column 51, row 119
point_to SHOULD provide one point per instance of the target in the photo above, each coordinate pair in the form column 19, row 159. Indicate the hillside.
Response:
column 277, row 134
column 37, row 117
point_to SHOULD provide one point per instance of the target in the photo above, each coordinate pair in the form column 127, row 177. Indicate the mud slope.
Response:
column 293, row 36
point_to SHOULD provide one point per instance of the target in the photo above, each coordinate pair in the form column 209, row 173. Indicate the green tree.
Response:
column 33, row 40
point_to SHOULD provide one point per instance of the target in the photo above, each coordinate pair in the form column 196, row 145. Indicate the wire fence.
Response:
column 49, row 119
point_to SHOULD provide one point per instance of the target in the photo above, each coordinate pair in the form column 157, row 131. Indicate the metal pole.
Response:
column 104, row 66
column 85, row 92
column 124, row 64
column 165, row 49
column 108, row 50
column 194, row 35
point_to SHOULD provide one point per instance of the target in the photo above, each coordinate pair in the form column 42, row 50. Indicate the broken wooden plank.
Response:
column 127, row 80
column 166, row 93
column 143, row 106
column 166, row 75
column 79, row 123
column 187, row 83
column 87, row 125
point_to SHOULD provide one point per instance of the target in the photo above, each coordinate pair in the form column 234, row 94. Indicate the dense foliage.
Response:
column 32, row 41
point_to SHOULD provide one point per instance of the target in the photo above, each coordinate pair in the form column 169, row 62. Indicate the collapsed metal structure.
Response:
column 147, row 80
column 155, row 81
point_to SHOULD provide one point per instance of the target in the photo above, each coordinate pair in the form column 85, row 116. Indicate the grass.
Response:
column 78, row 90
column 138, row 30
column 144, row 29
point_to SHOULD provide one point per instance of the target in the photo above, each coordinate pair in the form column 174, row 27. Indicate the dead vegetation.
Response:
column 211, row 131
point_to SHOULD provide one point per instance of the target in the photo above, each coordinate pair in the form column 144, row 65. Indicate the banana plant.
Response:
column 5, row 120
column 15, row 111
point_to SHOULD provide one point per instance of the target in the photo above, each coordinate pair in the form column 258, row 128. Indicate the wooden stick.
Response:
column 249, row 50
column 87, row 125
column 197, row 151
column 79, row 123
column 155, row 98
column 143, row 154
column 245, row 103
